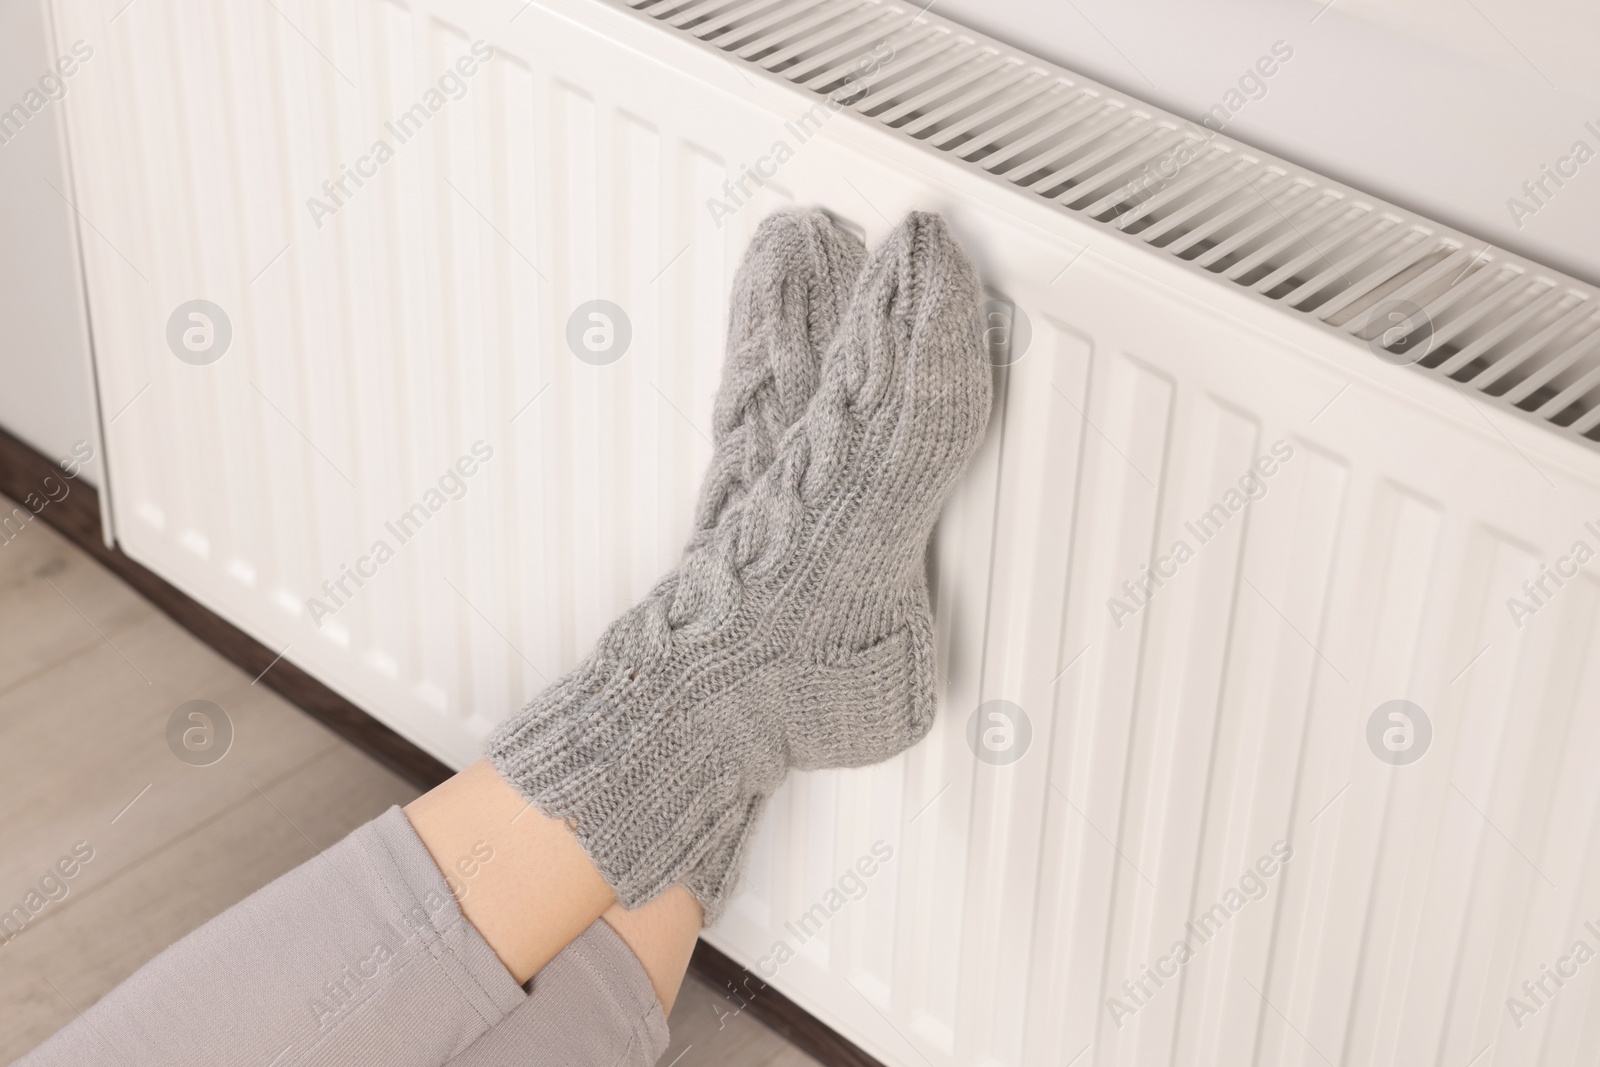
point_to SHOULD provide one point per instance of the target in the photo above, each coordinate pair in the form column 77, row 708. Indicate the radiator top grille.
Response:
column 1413, row 291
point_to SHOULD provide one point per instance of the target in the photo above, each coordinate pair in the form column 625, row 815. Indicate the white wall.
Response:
column 46, row 395
column 1442, row 106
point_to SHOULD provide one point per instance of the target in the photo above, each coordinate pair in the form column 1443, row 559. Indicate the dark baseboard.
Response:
column 77, row 517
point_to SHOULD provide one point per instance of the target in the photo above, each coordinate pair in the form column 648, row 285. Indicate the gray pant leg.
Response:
column 591, row 1006
column 358, row 956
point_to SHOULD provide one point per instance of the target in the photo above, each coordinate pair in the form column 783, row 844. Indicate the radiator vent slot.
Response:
column 1509, row 328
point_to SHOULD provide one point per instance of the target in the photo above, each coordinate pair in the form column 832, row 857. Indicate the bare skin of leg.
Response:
column 662, row 934
column 527, row 886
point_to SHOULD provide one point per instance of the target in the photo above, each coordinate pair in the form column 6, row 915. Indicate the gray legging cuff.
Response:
column 591, row 1005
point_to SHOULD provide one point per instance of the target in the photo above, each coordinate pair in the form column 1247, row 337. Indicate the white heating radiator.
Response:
column 1178, row 331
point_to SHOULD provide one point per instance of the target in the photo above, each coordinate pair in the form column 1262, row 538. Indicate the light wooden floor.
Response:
column 89, row 673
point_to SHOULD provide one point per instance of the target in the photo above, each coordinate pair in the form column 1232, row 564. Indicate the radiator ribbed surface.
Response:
column 1172, row 745
column 1505, row 327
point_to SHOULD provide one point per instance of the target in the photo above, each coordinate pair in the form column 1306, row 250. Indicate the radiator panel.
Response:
column 1168, row 753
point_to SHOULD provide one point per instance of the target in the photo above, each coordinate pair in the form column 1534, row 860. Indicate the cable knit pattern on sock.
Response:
column 789, row 296
column 796, row 632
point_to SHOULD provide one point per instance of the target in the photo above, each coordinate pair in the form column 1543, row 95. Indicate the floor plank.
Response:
column 86, row 739
column 54, row 600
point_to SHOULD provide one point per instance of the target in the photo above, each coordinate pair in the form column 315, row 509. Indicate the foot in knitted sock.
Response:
column 796, row 632
column 792, row 290
column 790, row 294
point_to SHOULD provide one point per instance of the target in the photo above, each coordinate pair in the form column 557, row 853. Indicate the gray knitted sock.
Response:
column 789, row 295
column 796, row 632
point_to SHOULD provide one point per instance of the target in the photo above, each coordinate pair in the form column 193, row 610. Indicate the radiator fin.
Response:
column 1367, row 269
